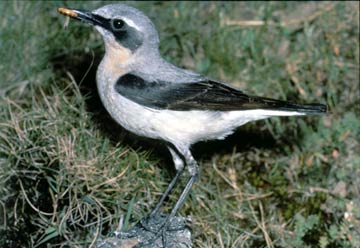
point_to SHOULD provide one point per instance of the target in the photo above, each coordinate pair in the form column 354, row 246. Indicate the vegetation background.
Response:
column 69, row 174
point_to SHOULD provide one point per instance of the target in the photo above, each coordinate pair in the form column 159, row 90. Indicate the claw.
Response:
column 164, row 231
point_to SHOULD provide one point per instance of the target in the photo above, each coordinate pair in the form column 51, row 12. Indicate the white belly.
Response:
column 177, row 127
column 180, row 127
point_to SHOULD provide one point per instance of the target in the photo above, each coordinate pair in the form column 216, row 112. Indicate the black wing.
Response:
column 202, row 95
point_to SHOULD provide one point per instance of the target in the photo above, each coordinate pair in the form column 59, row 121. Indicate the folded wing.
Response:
column 201, row 95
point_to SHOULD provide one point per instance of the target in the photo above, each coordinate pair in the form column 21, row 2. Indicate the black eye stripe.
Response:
column 117, row 24
column 126, row 35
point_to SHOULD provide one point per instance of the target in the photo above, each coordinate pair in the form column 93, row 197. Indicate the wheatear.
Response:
column 153, row 98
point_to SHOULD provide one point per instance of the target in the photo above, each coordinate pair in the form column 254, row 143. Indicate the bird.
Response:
column 151, row 97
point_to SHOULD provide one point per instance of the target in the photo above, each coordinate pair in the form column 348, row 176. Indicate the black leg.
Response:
column 166, row 193
column 183, row 196
column 194, row 171
column 179, row 165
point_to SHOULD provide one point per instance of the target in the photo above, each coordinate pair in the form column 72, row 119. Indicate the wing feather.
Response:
column 201, row 95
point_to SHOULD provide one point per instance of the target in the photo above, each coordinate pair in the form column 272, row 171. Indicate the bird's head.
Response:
column 121, row 26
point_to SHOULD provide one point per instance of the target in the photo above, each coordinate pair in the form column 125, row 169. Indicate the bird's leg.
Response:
column 193, row 169
column 166, row 193
column 170, row 222
column 179, row 165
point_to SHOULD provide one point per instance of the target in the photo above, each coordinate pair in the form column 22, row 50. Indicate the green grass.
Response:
column 68, row 174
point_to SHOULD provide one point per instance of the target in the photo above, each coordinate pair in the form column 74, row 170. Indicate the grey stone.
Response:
column 151, row 232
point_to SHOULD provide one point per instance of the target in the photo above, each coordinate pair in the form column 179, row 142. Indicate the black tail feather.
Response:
column 312, row 108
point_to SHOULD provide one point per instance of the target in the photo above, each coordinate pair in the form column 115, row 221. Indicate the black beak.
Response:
column 84, row 16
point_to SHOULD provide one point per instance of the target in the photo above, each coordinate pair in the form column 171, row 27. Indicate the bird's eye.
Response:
column 117, row 24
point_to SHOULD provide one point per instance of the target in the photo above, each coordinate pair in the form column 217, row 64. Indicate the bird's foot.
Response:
column 165, row 232
column 154, row 222
column 153, row 231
